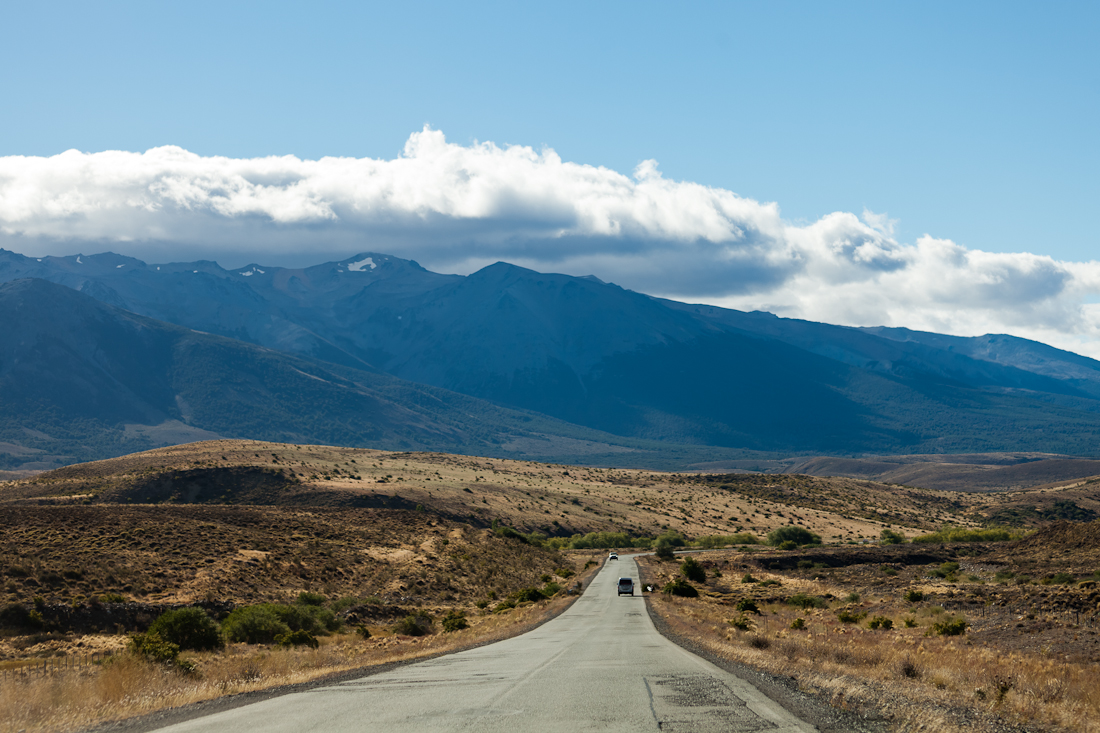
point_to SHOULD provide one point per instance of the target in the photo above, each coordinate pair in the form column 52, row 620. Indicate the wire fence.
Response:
column 46, row 666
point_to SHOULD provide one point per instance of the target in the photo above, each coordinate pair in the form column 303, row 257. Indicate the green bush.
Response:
column 950, row 627
column 680, row 587
column 417, row 624
column 551, row 589
column 18, row 616
column 665, row 552
column 1059, row 579
column 852, row 597
column 564, row 573
column 909, row 622
column 188, row 628
column 455, row 621
column 742, row 622
column 798, row 624
column 880, row 622
column 845, row 616
column 798, row 535
column 533, row 595
column 961, row 534
column 747, row 578
column 770, row 582
column 914, row 596
column 307, row 598
column 693, row 571
column 708, row 542
column 254, row 625
column 154, row 648
column 946, row 571
column 804, row 601
column 747, row 606
column 890, row 537
column 363, row 631
column 297, row 638
column 112, row 598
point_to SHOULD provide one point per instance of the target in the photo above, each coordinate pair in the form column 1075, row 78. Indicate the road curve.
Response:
column 600, row 666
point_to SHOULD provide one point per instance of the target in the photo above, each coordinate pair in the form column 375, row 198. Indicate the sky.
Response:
column 928, row 165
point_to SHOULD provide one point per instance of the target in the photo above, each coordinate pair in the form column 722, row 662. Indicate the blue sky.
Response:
column 969, row 122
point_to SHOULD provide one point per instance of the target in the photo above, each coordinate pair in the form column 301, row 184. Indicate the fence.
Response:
column 46, row 666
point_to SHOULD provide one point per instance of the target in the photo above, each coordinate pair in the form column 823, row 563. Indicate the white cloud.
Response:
column 455, row 208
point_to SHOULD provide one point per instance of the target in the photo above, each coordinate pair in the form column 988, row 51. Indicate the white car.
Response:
column 613, row 556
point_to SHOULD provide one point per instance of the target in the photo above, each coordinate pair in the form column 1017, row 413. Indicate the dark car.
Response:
column 626, row 585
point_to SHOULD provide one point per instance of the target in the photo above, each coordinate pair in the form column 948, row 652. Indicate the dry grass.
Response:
column 927, row 682
column 127, row 685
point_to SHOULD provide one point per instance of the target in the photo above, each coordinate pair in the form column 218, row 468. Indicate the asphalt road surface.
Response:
column 600, row 666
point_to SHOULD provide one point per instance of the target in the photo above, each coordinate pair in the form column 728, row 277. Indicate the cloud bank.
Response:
column 456, row 208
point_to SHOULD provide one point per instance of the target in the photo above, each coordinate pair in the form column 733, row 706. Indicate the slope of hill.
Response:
column 597, row 355
column 81, row 380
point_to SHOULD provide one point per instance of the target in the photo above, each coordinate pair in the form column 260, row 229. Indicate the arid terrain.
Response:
column 97, row 551
column 939, row 637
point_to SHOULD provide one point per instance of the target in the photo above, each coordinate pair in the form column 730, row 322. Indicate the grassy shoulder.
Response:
column 149, row 672
column 939, row 646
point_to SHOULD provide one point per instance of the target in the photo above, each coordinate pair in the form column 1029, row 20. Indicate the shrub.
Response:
column 960, row 534
column 17, row 616
column 188, row 628
column 154, row 648
column 254, row 625
column 308, row 598
column 564, row 573
column 747, row 578
column 417, row 624
column 708, row 542
column 482, row 603
column 510, row 534
column 950, row 627
column 798, row 624
column 680, row 587
column 747, row 606
column 786, row 545
column 112, row 598
column 890, row 537
column 804, row 600
column 455, row 621
column 528, row 594
column 770, row 582
column 363, row 631
column 852, row 598
column 845, row 616
column 1059, row 579
column 805, row 564
column 297, row 638
column 880, row 622
column 914, row 596
column 742, row 622
column 693, row 571
column 664, row 552
column 887, row 570
column 798, row 535
column 551, row 589
column 909, row 622
column 759, row 642
column 503, row 606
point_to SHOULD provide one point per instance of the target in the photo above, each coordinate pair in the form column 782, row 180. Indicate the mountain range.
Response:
column 565, row 366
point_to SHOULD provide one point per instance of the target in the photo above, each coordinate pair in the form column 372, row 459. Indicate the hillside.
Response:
column 557, row 500
column 82, row 380
column 595, row 355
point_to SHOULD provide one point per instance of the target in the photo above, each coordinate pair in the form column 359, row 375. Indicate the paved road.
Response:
column 600, row 666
